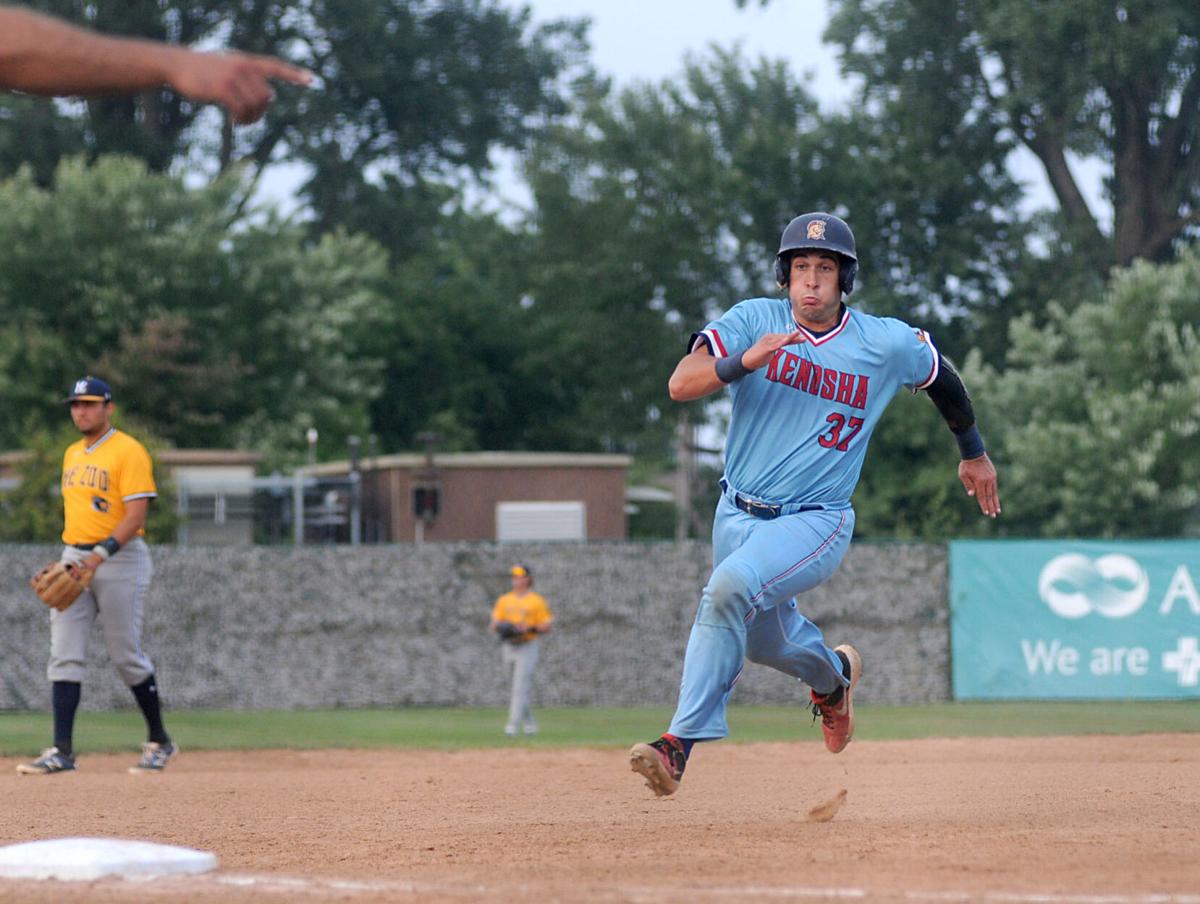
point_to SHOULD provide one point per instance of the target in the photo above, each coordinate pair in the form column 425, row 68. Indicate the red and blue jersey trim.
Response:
column 712, row 339
column 824, row 337
column 937, row 360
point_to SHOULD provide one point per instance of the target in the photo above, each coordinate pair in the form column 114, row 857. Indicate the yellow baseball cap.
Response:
column 520, row 571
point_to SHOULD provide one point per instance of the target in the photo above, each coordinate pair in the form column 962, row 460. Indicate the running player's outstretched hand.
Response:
column 978, row 475
column 767, row 345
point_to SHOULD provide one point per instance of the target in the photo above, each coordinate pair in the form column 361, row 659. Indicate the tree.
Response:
column 418, row 94
column 413, row 97
column 218, row 326
column 454, row 332
column 32, row 512
column 1089, row 77
column 161, row 360
column 1098, row 412
column 302, row 318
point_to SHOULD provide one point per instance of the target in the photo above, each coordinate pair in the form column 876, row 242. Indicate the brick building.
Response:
column 505, row 496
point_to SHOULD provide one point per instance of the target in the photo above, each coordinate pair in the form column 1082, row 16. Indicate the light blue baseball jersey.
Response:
column 801, row 423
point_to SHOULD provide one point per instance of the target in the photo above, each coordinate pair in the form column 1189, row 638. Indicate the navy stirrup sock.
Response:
column 146, row 695
column 65, row 696
column 834, row 697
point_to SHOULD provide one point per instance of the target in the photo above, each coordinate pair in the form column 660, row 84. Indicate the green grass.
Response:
column 24, row 733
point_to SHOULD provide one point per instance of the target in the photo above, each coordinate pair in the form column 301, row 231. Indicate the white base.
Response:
column 82, row 859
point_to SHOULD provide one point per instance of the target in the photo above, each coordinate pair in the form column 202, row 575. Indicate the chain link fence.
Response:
column 273, row 510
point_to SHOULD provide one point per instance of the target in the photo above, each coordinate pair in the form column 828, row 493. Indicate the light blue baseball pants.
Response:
column 747, row 610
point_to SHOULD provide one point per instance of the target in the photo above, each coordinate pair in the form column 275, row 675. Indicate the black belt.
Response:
column 84, row 546
column 762, row 510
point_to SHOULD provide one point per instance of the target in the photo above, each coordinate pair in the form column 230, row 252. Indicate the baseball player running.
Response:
column 809, row 379
column 519, row 618
column 107, row 486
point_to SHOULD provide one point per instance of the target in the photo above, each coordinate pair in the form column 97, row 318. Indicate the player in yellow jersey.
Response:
column 107, row 485
column 520, row 618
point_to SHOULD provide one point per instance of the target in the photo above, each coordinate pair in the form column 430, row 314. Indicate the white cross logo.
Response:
column 1184, row 659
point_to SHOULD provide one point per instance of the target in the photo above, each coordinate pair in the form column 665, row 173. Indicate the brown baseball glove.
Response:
column 60, row 583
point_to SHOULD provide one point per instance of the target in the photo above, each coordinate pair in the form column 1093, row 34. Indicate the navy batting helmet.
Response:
column 818, row 232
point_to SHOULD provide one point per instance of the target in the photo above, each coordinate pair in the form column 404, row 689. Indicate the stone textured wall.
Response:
column 401, row 625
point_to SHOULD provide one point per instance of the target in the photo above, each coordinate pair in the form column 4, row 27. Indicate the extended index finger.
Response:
column 273, row 67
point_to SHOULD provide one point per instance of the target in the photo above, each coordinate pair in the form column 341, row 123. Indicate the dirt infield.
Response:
column 1111, row 819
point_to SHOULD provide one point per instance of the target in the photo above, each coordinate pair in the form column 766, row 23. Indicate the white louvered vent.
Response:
column 524, row 521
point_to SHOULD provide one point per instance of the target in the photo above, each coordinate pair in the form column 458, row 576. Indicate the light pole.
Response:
column 298, row 488
column 355, row 492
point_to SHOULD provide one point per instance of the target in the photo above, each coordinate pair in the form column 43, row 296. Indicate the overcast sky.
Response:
column 649, row 40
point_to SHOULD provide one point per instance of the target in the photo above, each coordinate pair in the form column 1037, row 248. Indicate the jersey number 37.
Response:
column 833, row 439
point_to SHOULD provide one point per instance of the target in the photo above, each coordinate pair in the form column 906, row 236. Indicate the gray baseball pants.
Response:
column 522, row 658
column 116, row 596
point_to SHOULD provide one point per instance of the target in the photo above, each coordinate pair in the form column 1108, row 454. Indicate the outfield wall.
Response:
column 405, row 625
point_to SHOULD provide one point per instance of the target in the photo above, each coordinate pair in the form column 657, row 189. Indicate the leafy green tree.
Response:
column 217, row 325
column 32, row 512
column 455, row 342
column 164, row 363
column 1098, row 412
column 301, row 319
column 1113, row 80
column 34, row 134
column 413, row 97
column 417, row 96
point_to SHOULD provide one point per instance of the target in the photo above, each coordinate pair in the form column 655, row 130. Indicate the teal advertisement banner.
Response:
column 1063, row 620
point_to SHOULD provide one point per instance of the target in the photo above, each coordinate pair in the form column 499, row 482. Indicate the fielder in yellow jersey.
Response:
column 98, row 482
column 519, row 618
column 107, row 485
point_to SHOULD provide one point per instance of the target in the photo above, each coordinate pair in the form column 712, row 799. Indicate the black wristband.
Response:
column 731, row 368
column 970, row 443
column 111, row 544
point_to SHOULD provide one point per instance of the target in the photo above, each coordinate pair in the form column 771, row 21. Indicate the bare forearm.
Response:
column 694, row 378
column 42, row 55
column 134, row 521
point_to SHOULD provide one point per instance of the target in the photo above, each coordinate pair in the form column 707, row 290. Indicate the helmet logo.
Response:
column 816, row 230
